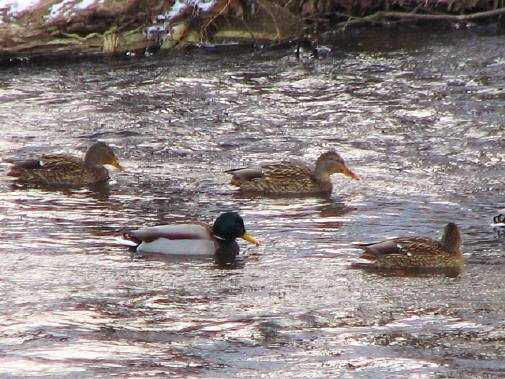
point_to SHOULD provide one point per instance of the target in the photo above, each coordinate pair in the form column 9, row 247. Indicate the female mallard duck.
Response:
column 64, row 170
column 291, row 177
column 193, row 239
column 417, row 252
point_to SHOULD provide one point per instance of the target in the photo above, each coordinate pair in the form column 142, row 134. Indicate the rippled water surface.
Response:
column 419, row 115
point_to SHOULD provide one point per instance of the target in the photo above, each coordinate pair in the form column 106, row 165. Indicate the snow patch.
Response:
column 15, row 7
column 85, row 4
column 163, row 27
column 55, row 10
column 180, row 6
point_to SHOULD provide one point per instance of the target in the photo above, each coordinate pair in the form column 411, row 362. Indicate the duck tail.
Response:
column 366, row 254
column 369, row 257
column 130, row 237
column 21, row 166
column 235, row 181
column 14, row 172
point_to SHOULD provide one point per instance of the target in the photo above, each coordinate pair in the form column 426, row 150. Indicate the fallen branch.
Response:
column 382, row 15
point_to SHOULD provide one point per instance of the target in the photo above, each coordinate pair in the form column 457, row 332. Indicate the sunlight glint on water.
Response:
column 425, row 135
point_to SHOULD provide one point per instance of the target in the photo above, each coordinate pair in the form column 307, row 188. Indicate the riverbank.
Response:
column 31, row 28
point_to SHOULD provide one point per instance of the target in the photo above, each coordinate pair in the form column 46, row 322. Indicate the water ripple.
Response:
column 419, row 119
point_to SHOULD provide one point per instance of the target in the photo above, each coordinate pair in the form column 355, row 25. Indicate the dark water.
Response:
column 419, row 115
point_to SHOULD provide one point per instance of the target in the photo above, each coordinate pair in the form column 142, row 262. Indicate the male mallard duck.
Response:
column 499, row 224
column 65, row 170
column 417, row 252
column 499, row 220
column 291, row 177
column 193, row 239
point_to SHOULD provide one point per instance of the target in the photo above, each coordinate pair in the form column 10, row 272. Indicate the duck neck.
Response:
column 321, row 174
column 451, row 242
column 226, row 248
column 219, row 238
column 90, row 159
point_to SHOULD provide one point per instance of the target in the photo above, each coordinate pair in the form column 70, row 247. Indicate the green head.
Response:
column 229, row 226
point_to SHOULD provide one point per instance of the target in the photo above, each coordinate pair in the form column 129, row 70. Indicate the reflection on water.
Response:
column 450, row 272
column 421, row 120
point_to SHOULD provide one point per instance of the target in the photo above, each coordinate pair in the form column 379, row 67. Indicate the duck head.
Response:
column 229, row 226
column 100, row 154
column 332, row 163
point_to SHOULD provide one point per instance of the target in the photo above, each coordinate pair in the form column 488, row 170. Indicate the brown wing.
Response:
column 48, row 163
column 403, row 246
column 281, row 177
column 55, row 170
column 419, row 246
column 284, row 170
column 27, row 164
column 64, row 163
column 280, row 170
column 246, row 173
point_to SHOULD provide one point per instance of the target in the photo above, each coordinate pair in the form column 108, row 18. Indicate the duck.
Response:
column 499, row 224
column 193, row 239
column 417, row 252
column 66, row 170
column 291, row 176
column 499, row 220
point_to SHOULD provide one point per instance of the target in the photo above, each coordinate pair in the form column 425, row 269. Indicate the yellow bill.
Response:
column 348, row 172
column 250, row 239
column 116, row 164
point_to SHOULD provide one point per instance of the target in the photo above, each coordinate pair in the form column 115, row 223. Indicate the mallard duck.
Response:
column 291, row 177
column 499, row 220
column 65, row 170
column 195, row 239
column 499, row 225
column 417, row 252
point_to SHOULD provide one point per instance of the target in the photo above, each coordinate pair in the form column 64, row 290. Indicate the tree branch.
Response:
column 381, row 15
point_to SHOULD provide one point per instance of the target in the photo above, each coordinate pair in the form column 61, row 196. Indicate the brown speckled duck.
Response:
column 292, row 176
column 65, row 170
column 417, row 252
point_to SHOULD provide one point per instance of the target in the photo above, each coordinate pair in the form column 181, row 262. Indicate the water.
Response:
column 418, row 115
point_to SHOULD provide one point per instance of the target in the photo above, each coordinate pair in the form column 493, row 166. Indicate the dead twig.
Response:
column 382, row 15
column 221, row 12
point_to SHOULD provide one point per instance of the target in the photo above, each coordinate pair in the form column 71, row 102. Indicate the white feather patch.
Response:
column 197, row 247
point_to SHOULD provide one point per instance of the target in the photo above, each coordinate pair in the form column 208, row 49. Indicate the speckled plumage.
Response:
column 291, row 176
column 283, row 177
column 60, row 170
column 65, row 170
column 417, row 252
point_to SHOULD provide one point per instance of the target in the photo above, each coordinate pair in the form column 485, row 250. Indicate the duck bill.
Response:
column 349, row 173
column 116, row 164
column 250, row 239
